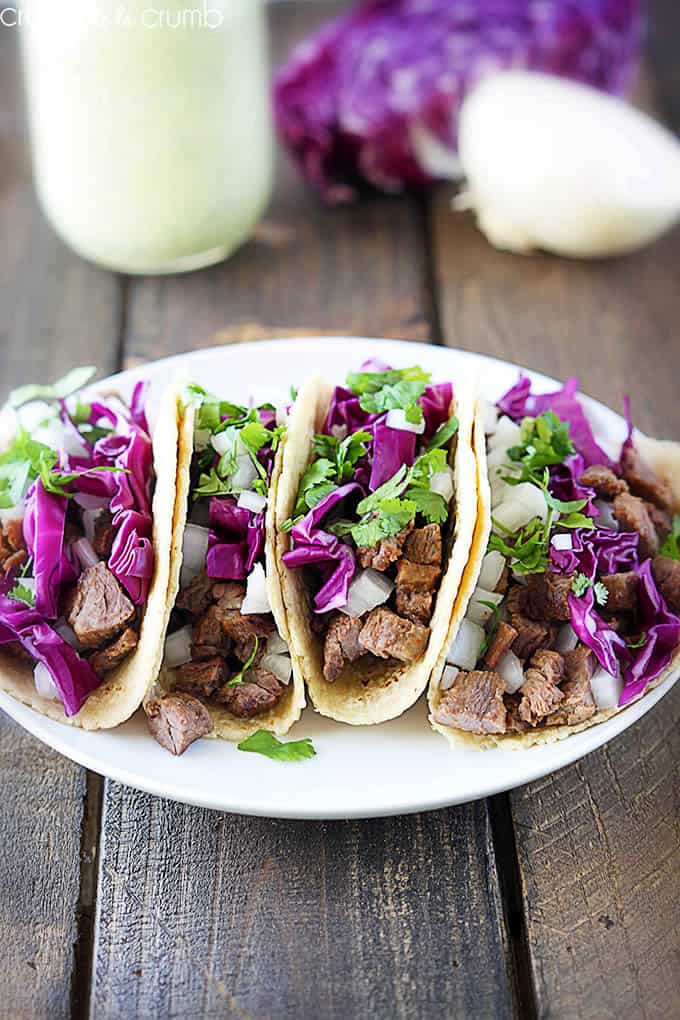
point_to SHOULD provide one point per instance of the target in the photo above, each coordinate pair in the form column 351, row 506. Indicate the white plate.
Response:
column 358, row 772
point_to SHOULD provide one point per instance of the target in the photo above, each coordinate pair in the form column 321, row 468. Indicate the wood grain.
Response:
column 206, row 915
column 357, row 270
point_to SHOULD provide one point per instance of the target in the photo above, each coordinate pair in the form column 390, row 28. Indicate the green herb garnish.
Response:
column 671, row 546
column 581, row 583
column 397, row 388
column 22, row 594
column 237, row 680
column 62, row 388
column 264, row 742
column 492, row 625
column 444, row 433
column 544, row 441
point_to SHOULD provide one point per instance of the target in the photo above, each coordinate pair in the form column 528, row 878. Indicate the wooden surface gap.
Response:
column 430, row 284
column 87, row 903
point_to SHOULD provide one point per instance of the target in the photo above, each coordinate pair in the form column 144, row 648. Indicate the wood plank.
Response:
column 356, row 270
column 55, row 312
column 206, row 915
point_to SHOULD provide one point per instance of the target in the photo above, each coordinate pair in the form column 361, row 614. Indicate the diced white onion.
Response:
column 13, row 513
column 465, row 648
column 31, row 416
column 178, row 648
column 606, row 518
column 201, row 438
column 65, row 631
column 44, row 684
column 58, row 437
column 510, row 670
column 448, row 677
column 256, row 599
column 223, row 441
column 276, row 645
column 194, row 549
column 500, row 490
column 279, row 665
column 368, row 589
column 493, row 566
column 498, row 458
column 489, row 417
column 252, row 501
column 506, row 434
column 476, row 611
column 89, row 518
column 396, row 419
column 87, row 557
column 339, row 431
column 442, row 483
column 521, row 505
column 566, row 640
column 245, row 473
column 606, row 688
column 90, row 502
column 561, row 541
column 282, row 414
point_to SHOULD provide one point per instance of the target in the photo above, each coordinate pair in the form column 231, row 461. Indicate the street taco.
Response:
column 375, row 514
column 227, row 671
column 574, row 578
column 84, row 555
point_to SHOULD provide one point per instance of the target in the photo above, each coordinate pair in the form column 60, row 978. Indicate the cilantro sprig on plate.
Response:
column 265, row 743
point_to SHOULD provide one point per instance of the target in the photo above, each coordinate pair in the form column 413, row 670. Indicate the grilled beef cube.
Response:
column 108, row 658
column 662, row 521
column 414, row 605
column 207, row 630
column 387, row 551
column 15, row 561
column 5, row 550
column 341, row 645
column 14, row 534
column 244, row 629
column 474, row 703
column 424, row 545
column 176, row 720
column 386, row 635
column 622, row 589
column 502, row 640
column 546, row 596
column 202, row 679
column 229, row 594
column 643, row 480
column 514, row 723
column 259, row 694
column 667, row 576
column 531, row 635
column 540, row 693
column 17, row 651
column 578, row 704
column 100, row 608
column 503, row 581
column 417, row 577
column 632, row 515
column 104, row 534
column 604, row 481
column 197, row 595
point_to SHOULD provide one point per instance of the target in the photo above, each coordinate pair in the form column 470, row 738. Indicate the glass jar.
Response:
column 150, row 126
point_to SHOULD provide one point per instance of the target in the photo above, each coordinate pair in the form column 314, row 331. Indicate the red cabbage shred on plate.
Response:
column 353, row 99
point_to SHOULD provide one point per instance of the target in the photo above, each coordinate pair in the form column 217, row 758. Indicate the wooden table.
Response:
column 559, row 899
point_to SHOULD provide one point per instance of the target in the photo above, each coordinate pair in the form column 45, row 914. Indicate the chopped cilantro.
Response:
column 544, row 441
column 62, row 388
column 237, row 680
column 22, row 594
column 581, row 583
column 391, row 489
column 264, row 742
column 55, row 481
column 492, row 625
column 390, row 390
column 254, row 436
column 527, row 550
column 391, row 517
column 211, row 484
column 431, row 505
column 444, row 433
column 372, row 382
column 671, row 546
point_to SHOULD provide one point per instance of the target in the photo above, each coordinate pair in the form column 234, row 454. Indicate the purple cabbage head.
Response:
column 354, row 100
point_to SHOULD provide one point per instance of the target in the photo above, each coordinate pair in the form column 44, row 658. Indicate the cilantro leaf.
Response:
column 431, row 505
column 372, row 382
column 601, row 593
column 254, row 436
column 62, row 388
column 544, row 441
column 22, row 593
column 671, row 546
column 264, row 742
column 402, row 395
column 211, row 484
column 55, row 481
column 444, row 433
column 580, row 584
column 428, row 464
column 392, row 517
column 528, row 549
column 390, row 489
column 320, row 472
column 238, row 679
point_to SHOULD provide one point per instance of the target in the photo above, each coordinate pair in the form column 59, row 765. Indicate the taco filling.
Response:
column 368, row 523
column 576, row 606
column 76, row 552
column 223, row 651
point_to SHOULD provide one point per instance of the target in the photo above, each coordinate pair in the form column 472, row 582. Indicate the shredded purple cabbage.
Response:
column 44, row 523
column 564, row 483
column 345, row 411
column 350, row 102
column 596, row 633
column 73, row 677
column 663, row 637
column 391, row 448
column 519, row 402
column 598, row 550
column 235, row 541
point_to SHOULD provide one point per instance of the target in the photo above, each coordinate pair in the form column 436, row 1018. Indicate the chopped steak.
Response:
column 578, row 704
column 622, row 590
column 17, row 650
column 176, row 720
column 500, row 643
column 197, row 595
column 202, row 678
column 15, row 561
column 341, row 645
column 503, row 581
column 104, row 534
column 416, row 577
column 266, row 680
column 643, row 480
column 259, row 694
column 201, row 652
column 14, row 532
column 474, row 703
column 229, row 594
column 661, row 520
column 245, row 628
column 667, row 576
column 547, row 596
column 631, row 514
column 100, row 609
column 108, row 658
column 385, row 634
column 385, row 552
column 513, row 722
column 414, row 605
column 540, row 693
column 207, row 629
column 424, row 545
column 604, row 481
column 5, row 549
column 531, row 635
column 243, row 649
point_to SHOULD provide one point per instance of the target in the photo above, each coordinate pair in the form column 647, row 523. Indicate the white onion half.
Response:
column 44, row 684
column 606, row 688
column 178, row 648
column 396, row 419
column 368, row 589
column 476, row 611
column 279, row 665
column 493, row 566
column 257, row 598
column 522, row 504
column 465, row 648
column 252, row 501
column 448, row 677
